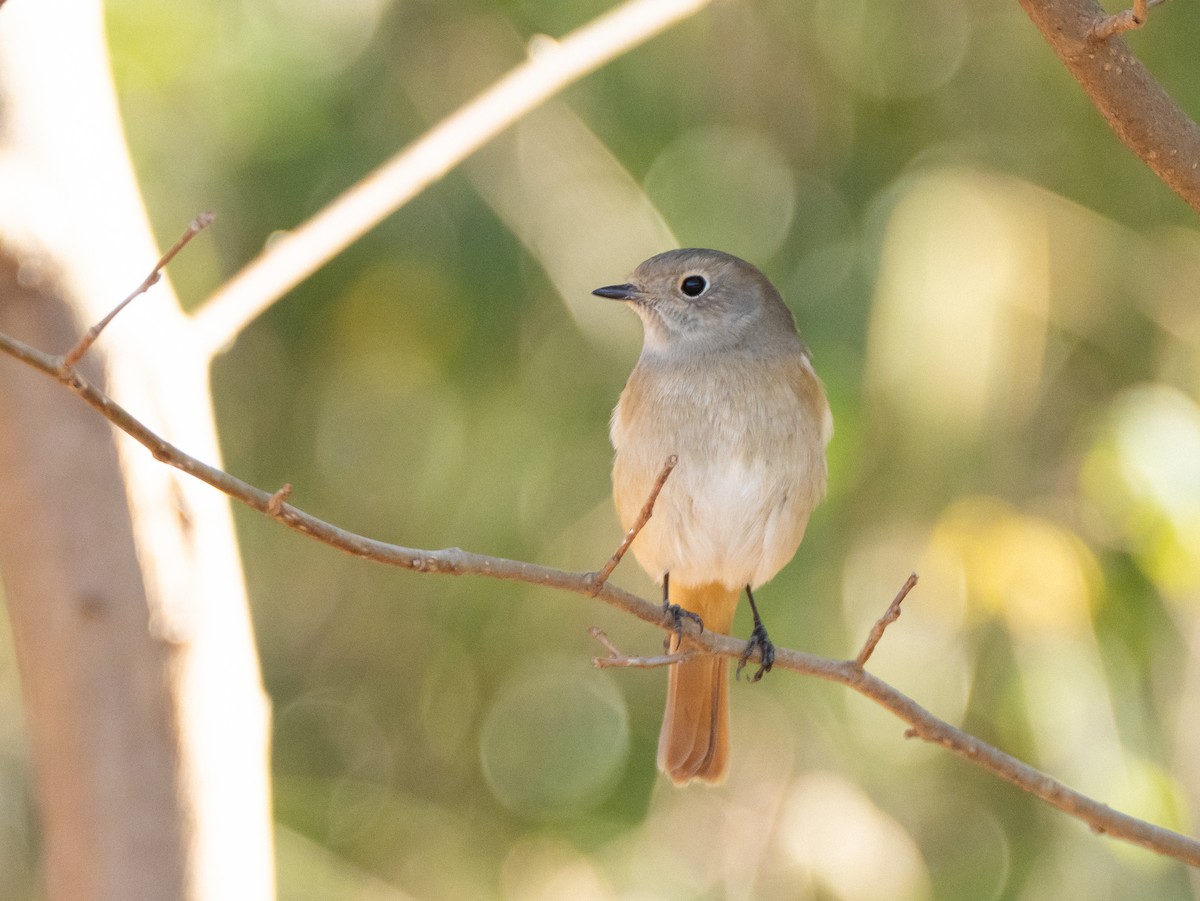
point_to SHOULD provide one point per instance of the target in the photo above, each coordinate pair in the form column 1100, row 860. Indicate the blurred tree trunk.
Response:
column 147, row 720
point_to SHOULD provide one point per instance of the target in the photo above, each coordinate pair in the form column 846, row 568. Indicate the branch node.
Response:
column 1118, row 23
column 275, row 504
column 889, row 616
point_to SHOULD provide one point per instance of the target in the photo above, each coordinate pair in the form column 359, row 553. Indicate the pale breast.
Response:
column 750, row 437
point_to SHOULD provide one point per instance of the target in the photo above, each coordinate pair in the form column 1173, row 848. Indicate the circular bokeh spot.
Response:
column 726, row 188
column 554, row 741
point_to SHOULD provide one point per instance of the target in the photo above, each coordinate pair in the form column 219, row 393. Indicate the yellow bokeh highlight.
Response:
column 1032, row 573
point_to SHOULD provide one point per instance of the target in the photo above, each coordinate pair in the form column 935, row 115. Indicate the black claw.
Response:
column 761, row 643
column 677, row 614
column 758, row 642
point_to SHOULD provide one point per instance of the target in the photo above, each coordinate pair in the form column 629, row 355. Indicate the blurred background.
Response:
column 999, row 297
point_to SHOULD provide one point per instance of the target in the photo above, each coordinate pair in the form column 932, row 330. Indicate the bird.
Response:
column 726, row 385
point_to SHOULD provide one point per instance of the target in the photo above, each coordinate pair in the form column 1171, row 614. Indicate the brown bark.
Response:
column 101, row 716
column 147, row 720
column 1136, row 106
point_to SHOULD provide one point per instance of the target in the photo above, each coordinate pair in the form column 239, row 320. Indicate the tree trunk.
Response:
column 147, row 719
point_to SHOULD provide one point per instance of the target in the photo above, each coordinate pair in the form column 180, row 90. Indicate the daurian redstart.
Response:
column 725, row 384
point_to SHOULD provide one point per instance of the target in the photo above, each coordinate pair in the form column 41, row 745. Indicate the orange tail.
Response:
column 694, row 741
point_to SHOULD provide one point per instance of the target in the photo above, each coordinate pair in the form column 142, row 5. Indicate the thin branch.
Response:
column 75, row 354
column 639, row 523
column 889, row 616
column 616, row 658
column 557, row 64
column 1136, row 106
column 455, row 561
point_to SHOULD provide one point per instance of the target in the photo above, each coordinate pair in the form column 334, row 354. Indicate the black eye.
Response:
column 693, row 285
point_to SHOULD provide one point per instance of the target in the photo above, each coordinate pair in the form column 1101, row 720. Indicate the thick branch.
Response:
column 455, row 561
column 305, row 249
column 1137, row 107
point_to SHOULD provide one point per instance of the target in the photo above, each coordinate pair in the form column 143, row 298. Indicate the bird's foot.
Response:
column 677, row 615
column 766, row 650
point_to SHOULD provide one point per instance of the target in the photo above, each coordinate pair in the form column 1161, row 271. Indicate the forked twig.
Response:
column 75, row 354
column 616, row 658
column 638, row 524
column 889, row 616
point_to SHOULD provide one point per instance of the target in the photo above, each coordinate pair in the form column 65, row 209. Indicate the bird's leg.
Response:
column 677, row 614
column 758, row 641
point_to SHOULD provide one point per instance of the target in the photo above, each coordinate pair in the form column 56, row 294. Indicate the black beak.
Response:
column 618, row 292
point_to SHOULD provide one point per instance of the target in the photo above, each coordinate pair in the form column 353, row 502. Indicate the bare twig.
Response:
column 616, row 658
column 889, row 616
column 455, row 561
column 277, row 499
column 557, row 64
column 75, row 354
column 639, row 523
column 1136, row 106
column 1126, row 20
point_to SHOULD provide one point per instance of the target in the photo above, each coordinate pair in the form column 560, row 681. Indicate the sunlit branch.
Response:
column 555, row 65
column 1137, row 108
column 455, row 561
